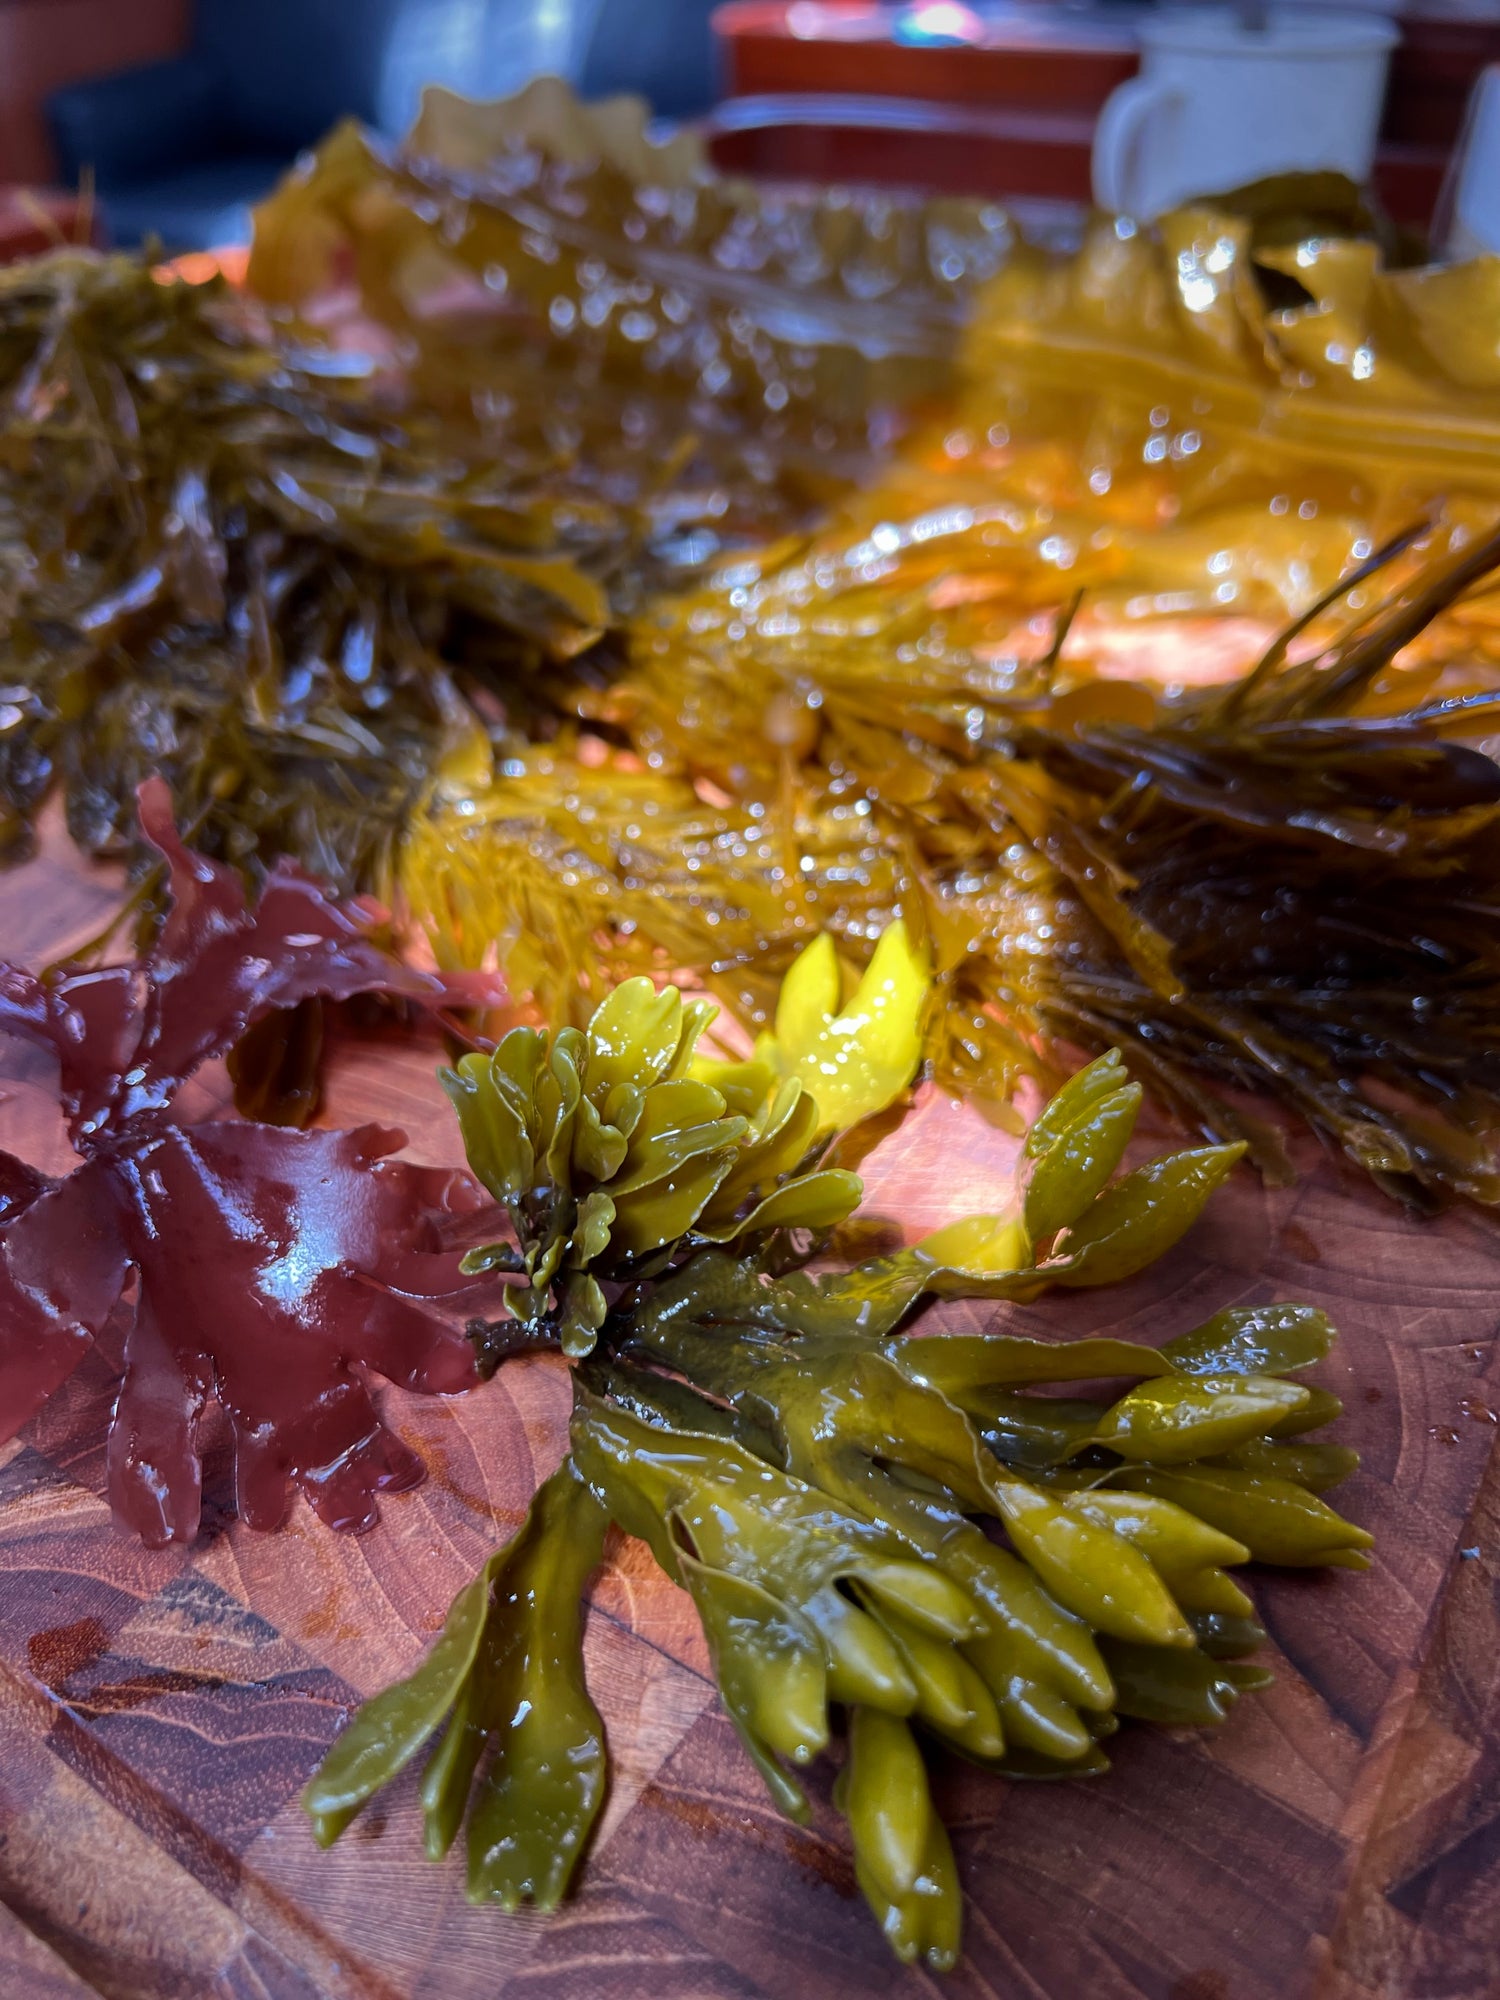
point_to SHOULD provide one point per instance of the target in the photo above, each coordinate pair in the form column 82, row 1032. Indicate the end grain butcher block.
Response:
column 159, row 1711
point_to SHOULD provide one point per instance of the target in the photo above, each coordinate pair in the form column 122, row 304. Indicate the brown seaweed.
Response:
column 1288, row 887
column 338, row 626
column 224, row 564
column 535, row 246
column 290, row 566
column 1300, row 899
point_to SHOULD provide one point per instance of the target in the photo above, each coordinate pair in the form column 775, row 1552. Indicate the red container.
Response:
column 771, row 47
column 902, row 142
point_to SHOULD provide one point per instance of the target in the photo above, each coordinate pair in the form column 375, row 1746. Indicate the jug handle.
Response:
column 1118, row 135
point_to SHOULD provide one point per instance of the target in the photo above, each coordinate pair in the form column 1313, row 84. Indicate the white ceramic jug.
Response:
column 1219, row 103
column 1467, row 223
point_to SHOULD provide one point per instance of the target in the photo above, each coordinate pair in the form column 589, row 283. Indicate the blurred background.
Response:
column 185, row 112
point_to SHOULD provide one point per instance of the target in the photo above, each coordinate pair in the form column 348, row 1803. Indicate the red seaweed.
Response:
column 273, row 1269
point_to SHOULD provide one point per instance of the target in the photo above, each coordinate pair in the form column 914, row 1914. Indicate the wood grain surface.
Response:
column 159, row 1711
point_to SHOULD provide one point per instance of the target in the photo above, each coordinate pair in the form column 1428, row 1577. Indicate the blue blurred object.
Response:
column 181, row 149
column 663, row 50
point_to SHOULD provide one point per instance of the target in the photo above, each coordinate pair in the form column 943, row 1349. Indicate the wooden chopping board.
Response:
column 159, row 1711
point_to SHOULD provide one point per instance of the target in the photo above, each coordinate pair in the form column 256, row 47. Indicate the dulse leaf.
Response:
column 275, row 1066
column 273, row 1268
column 127, row 1036
column 61, row 1270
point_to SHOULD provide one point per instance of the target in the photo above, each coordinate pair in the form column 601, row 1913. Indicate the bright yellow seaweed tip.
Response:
column 982, row 1245
column 855, row 1060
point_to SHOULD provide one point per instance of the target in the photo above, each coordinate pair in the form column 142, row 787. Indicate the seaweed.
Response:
column 1285, row 885
column 1298, row 899
column 226, row 561
column 828, row 1482
column 492, row 628
column 271, row 1270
